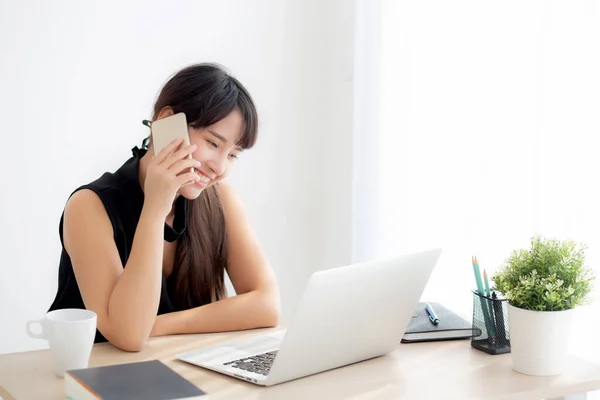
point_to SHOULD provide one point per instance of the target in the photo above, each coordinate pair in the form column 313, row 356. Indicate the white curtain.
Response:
column 485, row 119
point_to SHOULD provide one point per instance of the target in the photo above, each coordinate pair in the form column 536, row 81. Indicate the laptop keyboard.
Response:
column 259, row 364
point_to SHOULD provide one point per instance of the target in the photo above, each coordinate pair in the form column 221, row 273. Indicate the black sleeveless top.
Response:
column 123, row 198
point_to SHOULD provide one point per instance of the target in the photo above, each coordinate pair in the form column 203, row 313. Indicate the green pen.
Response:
column 487, row 313
column 491, row 302
column 477, row 273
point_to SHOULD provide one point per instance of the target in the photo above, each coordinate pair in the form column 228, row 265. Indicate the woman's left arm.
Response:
column 257, row 302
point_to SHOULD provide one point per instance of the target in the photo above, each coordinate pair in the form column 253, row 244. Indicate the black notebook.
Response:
column 451, row 326
column 148, row 380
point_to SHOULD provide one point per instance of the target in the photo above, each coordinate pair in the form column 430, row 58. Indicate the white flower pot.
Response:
column 538, row 340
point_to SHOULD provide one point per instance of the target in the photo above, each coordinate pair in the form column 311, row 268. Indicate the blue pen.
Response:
column 432, row 316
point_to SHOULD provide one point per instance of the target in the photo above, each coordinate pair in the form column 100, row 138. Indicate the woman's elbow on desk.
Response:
column 132, row 346
column 255, row 309
column 260, row 308
column 125, row 339
column 270, row 312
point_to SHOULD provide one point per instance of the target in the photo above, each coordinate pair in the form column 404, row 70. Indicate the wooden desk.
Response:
column 447, row 370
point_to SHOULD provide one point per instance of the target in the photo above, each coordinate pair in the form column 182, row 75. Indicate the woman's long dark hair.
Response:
column 206, row 93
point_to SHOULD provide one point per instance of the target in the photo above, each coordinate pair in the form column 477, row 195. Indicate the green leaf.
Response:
column 549, row 276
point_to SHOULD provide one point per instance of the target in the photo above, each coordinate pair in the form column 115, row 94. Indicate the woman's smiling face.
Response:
column 216, row 149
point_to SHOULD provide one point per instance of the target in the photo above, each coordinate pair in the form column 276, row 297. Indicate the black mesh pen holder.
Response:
column 490, row 320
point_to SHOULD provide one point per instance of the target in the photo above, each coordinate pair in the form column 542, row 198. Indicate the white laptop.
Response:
column 346, row 315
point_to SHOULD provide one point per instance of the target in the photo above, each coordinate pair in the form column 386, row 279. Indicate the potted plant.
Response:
column 543, row 285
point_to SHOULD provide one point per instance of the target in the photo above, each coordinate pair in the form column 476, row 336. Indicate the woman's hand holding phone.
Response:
column 167, row 172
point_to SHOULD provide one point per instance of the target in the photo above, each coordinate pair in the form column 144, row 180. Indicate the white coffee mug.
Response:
column 70, row 333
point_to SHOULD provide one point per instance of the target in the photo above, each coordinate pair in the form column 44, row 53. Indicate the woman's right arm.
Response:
column 124, row 299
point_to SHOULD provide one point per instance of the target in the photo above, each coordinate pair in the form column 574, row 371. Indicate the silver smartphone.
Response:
column 165, row 130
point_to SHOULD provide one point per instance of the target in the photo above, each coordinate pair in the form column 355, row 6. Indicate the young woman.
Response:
column 147, row 251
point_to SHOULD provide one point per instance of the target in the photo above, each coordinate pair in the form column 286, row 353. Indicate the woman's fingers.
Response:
column 188, row 177
column 180, row 154
column 184, row 164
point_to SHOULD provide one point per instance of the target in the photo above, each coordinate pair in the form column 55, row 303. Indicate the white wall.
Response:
column 489, row 135
column 78, row 78
column 312, row 146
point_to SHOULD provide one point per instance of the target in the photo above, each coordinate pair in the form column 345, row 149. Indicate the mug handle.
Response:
column 33, row 334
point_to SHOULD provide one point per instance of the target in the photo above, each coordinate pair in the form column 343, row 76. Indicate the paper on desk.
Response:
column 4, row 395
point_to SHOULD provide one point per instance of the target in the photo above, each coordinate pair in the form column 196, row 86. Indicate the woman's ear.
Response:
column 165, row 112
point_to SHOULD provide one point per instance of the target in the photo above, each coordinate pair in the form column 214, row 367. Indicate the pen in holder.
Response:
column 490, row 318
